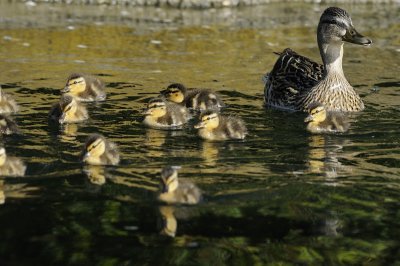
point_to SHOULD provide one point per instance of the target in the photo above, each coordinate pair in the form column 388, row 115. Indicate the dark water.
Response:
column 280, row 197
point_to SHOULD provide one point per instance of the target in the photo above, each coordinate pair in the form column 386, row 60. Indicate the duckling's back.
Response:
column 203, row 99
column 186, row 193
column 234, row 127
column 13, row 167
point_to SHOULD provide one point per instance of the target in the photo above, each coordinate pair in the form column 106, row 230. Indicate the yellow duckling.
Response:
column 8, row 125
column 197, row 99
column 213, row 126
column 173, row 191
column 85, row 88
column 11, row 166
column 99, row 151
column 321, row 120
column 164, row 115
column 68, row 110
column 7, row 103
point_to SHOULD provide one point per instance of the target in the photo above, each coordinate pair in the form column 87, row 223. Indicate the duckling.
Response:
column 295, row 81
column 164, row 115
column 7, row 103
column 68, row 110
column 10, row 166
column 8, row 125
column 173, row 191
column 321, row 120
column 99, row 151
column 197, row 99
column 85, row 88
column 213, row 126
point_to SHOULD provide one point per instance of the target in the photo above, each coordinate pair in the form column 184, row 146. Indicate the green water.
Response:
column 280, row 197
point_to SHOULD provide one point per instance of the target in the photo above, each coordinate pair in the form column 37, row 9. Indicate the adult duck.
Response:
column 296, row 82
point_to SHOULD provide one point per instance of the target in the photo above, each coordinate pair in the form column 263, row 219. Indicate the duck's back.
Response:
column 291, row 76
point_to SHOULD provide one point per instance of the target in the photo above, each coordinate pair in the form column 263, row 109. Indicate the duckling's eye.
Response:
column 68, row 108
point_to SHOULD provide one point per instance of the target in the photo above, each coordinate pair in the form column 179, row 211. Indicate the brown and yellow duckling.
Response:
column 85, row 88
column 320, row 120
column 7, row 103
column 161, row 114
column 99, row 151
column 11, row 166
column 196, row 99
column 68, row 110
column 8, row 125
column 174, row 191
column 214, row 126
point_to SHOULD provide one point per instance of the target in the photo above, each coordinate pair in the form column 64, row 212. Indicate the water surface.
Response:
column 281, row 197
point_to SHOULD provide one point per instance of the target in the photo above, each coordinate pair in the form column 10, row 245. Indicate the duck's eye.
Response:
column 68, row 108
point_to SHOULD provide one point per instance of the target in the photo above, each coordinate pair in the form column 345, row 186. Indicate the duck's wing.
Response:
column 291, row 76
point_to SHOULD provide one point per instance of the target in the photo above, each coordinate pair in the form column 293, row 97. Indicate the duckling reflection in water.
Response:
column 164, row 115
column 169, row 222
column 214, row 126
column 197, row 99
column 7, row 103
column 8, row 125
column 321, row 120
column 99, row 151
column 174, row 191
column 96, row 174
column 11, row 166
column 85, row 88
column 68, row 110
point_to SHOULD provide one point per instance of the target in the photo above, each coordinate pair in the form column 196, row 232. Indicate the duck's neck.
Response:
column 332, row 55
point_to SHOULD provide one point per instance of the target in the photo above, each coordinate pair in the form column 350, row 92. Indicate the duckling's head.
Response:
column 169, row 179
column 76, row 84
column 317, row 114
column 3, row 156
column 175, row 93
column 156, row 108
column 208, row 120
column 336, row 26
column 68, row 106
column 95, row 146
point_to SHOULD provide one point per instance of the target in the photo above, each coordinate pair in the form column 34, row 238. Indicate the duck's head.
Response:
column 3, row 156
column 317, row 114
column 156, row 108
column 95, row 146
column 76, row 84
column 68, row 106
column 336, row 26
column 175, row 93
column 169, row 179
column 208, row 120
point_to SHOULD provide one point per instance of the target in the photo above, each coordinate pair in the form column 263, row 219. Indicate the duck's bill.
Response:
column 353, row 36
column 309, row 119
column 65, row 89
column 199, row 125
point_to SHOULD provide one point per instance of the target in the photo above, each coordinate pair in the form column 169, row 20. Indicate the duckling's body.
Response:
column 321, row 120
column 11, row 166
column 213, row 126
column 196, row 99
column 85, row 88
column 296, row 82
column 100, row 151
column 8, row 125
column 172, row 191
column 7, row 103
column 161, row 114
column 68, row 110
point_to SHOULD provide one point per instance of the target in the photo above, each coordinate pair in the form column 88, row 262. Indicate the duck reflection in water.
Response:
column 96, row 174
column 16, row 191
column 169, row 224
column 324, row 154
